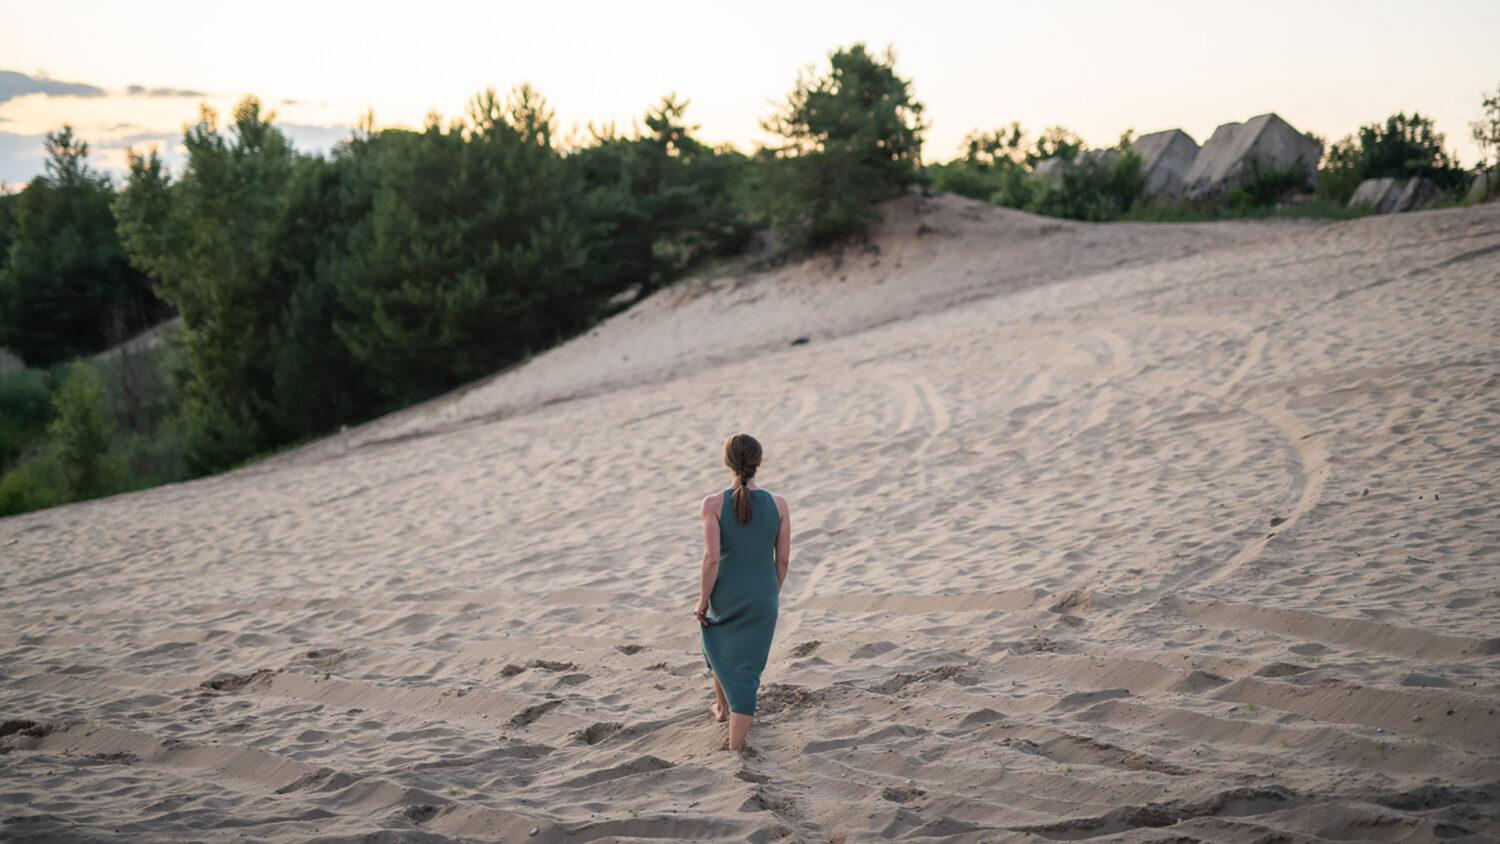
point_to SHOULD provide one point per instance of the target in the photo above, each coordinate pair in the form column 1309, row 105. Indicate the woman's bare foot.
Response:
column 739, row 725
column 720, row 709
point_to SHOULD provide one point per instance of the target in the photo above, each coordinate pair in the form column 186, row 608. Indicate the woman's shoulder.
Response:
column 713, row 502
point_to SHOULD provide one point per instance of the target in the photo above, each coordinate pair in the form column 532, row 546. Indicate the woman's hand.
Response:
column 702, row 613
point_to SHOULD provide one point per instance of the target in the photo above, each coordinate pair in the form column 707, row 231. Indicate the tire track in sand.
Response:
column 1313, row 468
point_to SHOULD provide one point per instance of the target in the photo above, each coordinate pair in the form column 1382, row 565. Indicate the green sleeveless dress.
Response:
column 745, row 601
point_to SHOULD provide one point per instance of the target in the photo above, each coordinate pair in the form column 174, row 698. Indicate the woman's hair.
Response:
column 742, row 456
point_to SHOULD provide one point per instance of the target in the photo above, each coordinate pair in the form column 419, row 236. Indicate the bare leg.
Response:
column 720, row 709
column 738, row 726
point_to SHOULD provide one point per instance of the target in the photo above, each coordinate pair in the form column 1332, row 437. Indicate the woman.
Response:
column 747, row 544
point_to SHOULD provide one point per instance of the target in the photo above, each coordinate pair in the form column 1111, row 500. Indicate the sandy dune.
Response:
column 1132, row 533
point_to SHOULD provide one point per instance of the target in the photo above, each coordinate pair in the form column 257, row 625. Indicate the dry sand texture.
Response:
column 1121, row 532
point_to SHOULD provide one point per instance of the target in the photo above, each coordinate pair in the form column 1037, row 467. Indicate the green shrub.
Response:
column 853, row 138
column 143, row 393
column 1262, row 185
column 1486, row 132
column 966, row 180
column 998, row 166
column 1340, row 174
column 123, row 429
column 151, row 459
column 1054, row 142
column 1017, row 188
column 32, row 484
column 79, row 436
column 989, row 160
column 25, row 407
column 1403, row 147
column 1098, row 186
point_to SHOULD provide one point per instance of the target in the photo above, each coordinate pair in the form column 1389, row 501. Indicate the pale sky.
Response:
column 1097, row 68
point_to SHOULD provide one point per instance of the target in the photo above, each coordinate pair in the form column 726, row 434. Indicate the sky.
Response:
column 133, row 74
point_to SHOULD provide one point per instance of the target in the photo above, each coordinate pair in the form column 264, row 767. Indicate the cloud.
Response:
column 21, row 157
column 304, row 137
column 14, row 84
column 143, row 91
column 314, row 138
column 165, row 138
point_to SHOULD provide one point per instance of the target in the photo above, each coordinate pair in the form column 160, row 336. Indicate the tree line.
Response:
column 312, row 291
column 320, row 290
column 1001, row 165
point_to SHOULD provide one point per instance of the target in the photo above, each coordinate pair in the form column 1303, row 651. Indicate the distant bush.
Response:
column 32, row 484
column 998, row 166
column 1486, row 133
column 143, row 393
column 1097, row 187
column 1341, row 171
column 965, row 180
column 79, row 436
column 1403, row 147
column 1263, row 185
column 853, row 137
column 25, row 408
column 1054, row 142
column 90, row 428
column 990, row 166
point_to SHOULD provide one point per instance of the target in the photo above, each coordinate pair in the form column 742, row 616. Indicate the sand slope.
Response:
column 1128, row 533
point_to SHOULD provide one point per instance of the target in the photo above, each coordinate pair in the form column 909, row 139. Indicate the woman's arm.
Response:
column 709, row 572
column 783, row 541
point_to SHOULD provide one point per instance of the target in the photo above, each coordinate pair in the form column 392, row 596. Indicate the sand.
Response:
column 1121, row 532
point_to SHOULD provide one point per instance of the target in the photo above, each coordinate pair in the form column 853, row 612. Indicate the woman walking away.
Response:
column 747, row 544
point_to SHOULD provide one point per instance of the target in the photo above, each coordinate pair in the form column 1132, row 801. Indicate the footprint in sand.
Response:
column 870, row 650
column 805, row 648
column 597, row 732
column 531, row 713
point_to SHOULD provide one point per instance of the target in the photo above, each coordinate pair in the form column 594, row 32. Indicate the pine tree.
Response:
column 66, row 282
column 80, row 434
column 853, row 137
